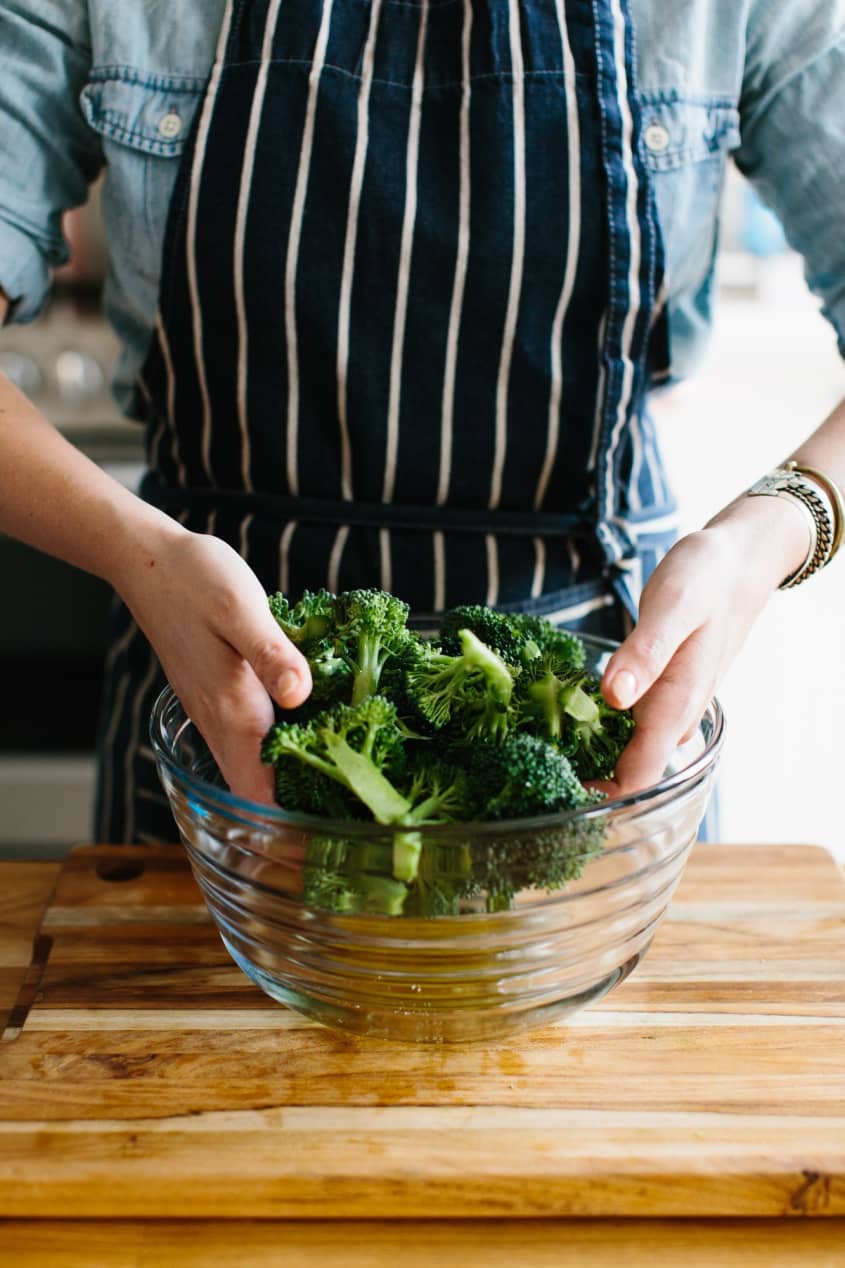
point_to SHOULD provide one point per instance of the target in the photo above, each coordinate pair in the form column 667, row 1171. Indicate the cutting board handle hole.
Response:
column 116, row 870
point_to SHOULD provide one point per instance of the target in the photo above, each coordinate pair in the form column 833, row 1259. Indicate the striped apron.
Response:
column 409, row 312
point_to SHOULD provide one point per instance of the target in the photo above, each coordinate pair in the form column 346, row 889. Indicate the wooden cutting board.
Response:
column 141, row 1074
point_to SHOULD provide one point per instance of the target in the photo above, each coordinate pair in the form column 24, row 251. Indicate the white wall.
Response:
column 773, row 373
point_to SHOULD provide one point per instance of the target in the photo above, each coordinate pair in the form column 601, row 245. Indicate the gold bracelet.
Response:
column 786, row 483
column 837, row 503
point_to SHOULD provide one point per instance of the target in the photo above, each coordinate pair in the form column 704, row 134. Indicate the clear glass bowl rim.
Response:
column 677, row 782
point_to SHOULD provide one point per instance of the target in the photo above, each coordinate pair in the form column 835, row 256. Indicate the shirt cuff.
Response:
column 24, row 274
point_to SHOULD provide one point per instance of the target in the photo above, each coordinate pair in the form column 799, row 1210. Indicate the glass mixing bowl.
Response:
column 474, row 974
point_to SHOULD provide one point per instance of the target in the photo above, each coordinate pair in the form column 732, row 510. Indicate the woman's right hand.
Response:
column 206, row 615
column 201, row 607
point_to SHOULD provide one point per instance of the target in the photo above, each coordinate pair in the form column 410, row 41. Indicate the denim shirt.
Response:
column 83, row 82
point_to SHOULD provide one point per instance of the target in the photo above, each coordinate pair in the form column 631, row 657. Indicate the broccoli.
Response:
column 351, row 876
column 547, row 860
column 443, row 881
column 349, row 744
column 497, row 630
column 520, row 777
column 345, row 638
column 309, row 624
column 500, row 722
column 575, row 715
column 413, row 653
column 473, row 690
column 371, row 626
column 561, row 646
column 354, row 746
column 309, row 621
column 517, row 637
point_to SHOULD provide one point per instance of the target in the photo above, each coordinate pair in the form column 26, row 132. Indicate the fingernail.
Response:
column 624, row 687
column 287, row 682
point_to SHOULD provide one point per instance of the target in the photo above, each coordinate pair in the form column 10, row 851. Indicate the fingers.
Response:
column 277, row 664
column 241, row 721
column 667, row 715
column 665, row 623
column 206, row 614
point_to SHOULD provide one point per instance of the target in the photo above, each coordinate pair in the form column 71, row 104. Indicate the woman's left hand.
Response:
column 695, row 613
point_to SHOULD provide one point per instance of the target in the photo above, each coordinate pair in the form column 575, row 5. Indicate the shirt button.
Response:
column 657, row 138
column 170, row 125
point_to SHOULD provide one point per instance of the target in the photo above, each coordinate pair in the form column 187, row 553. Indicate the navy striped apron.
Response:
column 410, row 308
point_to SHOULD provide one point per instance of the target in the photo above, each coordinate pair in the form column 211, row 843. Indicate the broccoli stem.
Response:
column 365, row 780
column 491, row 665
column 407, row 847
column 368, row 672
column 579, row 705
column 379, row 894
column 546, row 693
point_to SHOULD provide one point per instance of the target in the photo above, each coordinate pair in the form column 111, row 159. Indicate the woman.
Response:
column 390, row 281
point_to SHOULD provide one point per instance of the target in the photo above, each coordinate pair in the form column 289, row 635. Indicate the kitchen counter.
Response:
column 147, row 1089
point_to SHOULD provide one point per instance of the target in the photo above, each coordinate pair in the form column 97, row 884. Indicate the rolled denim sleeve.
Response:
column 48, row 154
column 793, row 134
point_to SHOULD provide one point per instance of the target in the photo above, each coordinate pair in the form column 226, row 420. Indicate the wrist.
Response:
column 136, row 538
column 772, row 533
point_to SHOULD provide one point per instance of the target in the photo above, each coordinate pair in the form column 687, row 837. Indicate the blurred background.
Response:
column 772, row 374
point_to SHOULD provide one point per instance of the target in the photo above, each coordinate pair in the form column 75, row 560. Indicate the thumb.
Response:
column 277, row 663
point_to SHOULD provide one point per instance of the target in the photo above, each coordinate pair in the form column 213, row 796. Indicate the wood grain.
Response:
column 150, row 1078
column 468, row 1243
column 24, row 892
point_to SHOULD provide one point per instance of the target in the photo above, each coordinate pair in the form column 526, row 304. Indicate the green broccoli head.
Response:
column 496, row 629
column 517, row 637
column 597, row 741
column 521, row 777
column 371, row 627
column 351, row 876
column 504, row 867
column 573, row 713
column 471, row 692
column 393, row 684
column 562, row 647
column 353, row 745
column 308, row 622
column 502, row 722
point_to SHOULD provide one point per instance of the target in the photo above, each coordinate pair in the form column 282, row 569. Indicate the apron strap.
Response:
column 306, row 510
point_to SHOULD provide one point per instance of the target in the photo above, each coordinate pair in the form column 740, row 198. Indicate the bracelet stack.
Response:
column 823, row 505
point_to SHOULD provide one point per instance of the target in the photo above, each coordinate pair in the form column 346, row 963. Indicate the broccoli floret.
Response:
column 438, row 794
column 304, row 789
column 443, row 881
column 496, row 629
column 520, row 777
column 547, row 860
column 346, row 639
column 359, row 747
column 416, row 651
column 517, row 637
column 350, row 744
column 351, row 876
column 309, row 621
column 575, row 715
column 562, row 646
column 472, row 690
column 309, row 624
column 371, row 627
